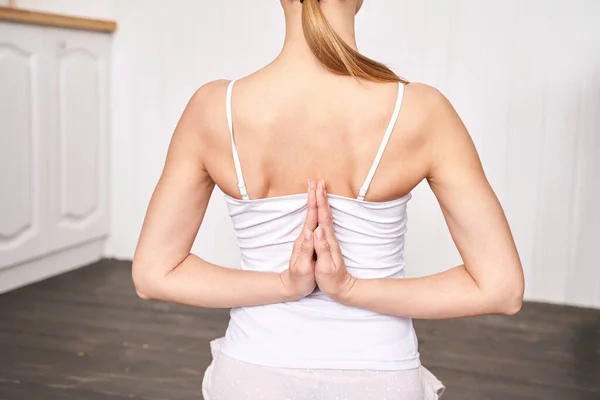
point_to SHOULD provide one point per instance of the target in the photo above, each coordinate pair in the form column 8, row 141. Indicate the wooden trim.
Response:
column 16, row 15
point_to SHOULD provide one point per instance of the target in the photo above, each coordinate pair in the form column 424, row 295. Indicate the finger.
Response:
column 311, row 220
column 321, row 245
column 325, row 218
column 297, row 247
column 305, row 251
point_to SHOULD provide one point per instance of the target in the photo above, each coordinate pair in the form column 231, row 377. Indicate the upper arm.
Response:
column 179, row 202
column 472, row 211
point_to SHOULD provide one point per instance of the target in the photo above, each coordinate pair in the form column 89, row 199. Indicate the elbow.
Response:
column 508, row 301
column 511, row 306
column 142, row 295
column 143, row 282
column 504, row 304
column 142, row 292
column 150, row 279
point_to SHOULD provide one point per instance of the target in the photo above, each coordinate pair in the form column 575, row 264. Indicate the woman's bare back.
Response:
column 288, row 129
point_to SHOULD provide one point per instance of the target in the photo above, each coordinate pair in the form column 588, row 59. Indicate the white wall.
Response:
column 524, row 75
column 160, row 60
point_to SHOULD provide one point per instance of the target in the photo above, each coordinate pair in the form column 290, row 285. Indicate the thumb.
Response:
column 307, row 246
column 321, row 244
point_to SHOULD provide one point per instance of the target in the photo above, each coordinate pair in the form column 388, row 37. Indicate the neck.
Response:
column 340, row 16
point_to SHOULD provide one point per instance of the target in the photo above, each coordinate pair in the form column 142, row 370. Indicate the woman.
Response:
column 320, row 309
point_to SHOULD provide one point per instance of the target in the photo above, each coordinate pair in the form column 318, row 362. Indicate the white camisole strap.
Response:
column 236, row 157
column 365, row 186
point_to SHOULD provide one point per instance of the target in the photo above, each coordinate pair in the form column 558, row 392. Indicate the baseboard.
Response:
column 50, row 265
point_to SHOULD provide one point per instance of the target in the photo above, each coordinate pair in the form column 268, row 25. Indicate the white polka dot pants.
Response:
column 230, row 379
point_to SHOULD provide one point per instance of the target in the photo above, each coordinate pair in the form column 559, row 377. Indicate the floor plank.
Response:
column 85, row 335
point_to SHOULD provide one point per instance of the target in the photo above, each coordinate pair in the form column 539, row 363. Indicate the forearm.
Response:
column 450, row 294
column 196, row 282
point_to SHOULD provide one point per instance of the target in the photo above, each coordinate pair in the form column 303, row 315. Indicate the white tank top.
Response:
column 316, row 332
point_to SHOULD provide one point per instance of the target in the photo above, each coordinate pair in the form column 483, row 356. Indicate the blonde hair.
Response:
column 335, row 54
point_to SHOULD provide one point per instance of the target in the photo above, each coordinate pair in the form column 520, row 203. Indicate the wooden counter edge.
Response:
column 17, row 15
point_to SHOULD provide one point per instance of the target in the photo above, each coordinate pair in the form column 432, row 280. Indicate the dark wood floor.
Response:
column 85, row 335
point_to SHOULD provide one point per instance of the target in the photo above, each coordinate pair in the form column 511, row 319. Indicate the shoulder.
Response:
column 446, row 140
column 211, row 89
column 209, row 98
column 202, row 126
column 430, row 110
column 204, row 113
column 426, row 99
column 433, row 126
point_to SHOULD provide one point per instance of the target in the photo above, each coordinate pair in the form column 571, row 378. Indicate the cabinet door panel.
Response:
column 22, row 186
column 79, row 136
column 79, row 167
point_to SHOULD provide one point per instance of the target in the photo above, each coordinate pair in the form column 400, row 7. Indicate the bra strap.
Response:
column 236, row 158
column 365, row 187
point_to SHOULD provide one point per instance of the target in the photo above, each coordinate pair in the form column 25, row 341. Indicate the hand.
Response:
column 330, row 272
column 299, row 279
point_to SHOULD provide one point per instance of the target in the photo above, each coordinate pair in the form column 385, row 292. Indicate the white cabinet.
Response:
column 53, row 150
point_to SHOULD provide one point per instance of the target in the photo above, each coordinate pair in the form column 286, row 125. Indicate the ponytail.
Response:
column 335, row 54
